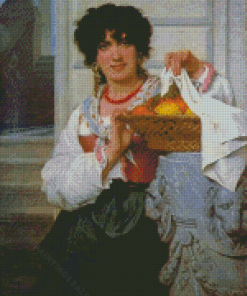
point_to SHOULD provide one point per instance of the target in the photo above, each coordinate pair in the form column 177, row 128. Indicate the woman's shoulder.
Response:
column 220, row 89
column 75, row 116
column 80, row 108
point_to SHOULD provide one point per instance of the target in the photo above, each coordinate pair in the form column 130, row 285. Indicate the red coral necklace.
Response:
column 120, row 101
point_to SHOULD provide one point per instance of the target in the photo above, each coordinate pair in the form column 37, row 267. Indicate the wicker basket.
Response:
column 168, row 133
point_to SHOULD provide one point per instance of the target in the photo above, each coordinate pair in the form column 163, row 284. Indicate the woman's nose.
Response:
column 115, row 52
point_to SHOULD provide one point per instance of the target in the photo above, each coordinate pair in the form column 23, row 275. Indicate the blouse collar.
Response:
column 149, row 89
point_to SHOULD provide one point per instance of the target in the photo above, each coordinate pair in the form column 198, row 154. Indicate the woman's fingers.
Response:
column 118, row 126
column 120, row 136
column 114, row 120
column 176, row 61
column 126, row 138
column 176, row 67
column 173, row 62
column 168, row 61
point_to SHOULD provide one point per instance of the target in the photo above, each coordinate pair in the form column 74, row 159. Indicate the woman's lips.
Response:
column 118, row 68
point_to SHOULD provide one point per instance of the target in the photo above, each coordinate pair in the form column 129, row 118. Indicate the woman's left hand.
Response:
column 184, row 59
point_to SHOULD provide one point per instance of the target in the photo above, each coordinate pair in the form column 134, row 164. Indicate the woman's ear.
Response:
column 141, row 60
column 140, row 57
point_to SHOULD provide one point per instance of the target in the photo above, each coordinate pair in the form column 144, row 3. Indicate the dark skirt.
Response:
column 128, row 264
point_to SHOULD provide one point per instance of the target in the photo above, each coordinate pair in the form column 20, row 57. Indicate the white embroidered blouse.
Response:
column 72, row 178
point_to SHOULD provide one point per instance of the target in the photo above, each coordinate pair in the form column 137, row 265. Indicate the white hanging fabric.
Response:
column 224, row 131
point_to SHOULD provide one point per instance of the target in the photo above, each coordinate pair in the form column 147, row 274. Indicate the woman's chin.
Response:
column 120, row 77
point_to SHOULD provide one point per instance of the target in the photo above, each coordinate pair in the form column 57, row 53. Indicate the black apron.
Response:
column 107, row 248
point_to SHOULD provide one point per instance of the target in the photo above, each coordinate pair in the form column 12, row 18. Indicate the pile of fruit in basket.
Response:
column 169, row 104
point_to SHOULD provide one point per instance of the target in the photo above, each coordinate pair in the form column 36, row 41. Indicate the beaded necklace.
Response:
column 120, row 101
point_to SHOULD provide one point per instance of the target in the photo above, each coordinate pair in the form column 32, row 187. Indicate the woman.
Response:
column 100, row 168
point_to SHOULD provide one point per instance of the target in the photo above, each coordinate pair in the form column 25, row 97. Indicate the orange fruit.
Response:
column 141, row 110
column 190, row 113
column 181, row 104
column 167, row 109
column 178, row 100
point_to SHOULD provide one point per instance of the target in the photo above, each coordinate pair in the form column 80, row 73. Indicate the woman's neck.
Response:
column 118, row 90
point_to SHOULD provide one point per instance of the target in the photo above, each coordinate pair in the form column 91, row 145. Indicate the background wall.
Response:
column 213, row 30
column 176, row 25
column 222, row 23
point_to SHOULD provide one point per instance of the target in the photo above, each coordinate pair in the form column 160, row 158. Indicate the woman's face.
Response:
column 117, row 59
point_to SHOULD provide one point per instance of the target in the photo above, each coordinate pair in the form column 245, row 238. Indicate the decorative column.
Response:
column 203, row 223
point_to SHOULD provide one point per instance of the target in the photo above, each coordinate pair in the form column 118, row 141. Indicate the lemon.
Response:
column 189, row 113
column 167, row 109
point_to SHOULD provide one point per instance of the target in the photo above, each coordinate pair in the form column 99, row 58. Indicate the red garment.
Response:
column 146, row 162
column 88, row 143
column 146, row 159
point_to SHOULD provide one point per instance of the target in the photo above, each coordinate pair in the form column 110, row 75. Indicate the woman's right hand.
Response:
column 120, row 136
column 120, row 139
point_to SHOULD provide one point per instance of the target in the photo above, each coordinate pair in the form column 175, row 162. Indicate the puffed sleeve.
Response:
column 72, row 178
column 221, row 90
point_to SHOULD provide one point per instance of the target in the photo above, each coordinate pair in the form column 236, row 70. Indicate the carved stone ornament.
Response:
column 203, row 223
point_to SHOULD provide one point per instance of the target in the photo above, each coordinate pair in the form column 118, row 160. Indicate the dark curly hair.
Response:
column 90, row 31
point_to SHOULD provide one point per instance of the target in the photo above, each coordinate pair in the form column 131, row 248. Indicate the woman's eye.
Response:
column 102, row 46
column 124, row 43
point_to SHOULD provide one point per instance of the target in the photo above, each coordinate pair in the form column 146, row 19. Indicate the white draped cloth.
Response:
column 224, row 131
